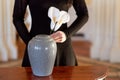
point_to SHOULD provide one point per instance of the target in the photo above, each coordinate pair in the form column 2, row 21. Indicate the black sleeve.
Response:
column 18, row 19
column 82, row 17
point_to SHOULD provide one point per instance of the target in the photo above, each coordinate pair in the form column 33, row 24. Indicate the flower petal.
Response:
column 53, row 13
column 64, row 16
column 52, row 25
column 58, row 25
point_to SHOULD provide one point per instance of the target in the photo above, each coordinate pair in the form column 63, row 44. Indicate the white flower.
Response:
column 57, row 18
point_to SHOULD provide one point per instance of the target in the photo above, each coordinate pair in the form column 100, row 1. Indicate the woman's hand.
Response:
column 59, row 36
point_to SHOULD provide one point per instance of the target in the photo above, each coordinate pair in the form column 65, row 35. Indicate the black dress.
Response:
column 41, row 25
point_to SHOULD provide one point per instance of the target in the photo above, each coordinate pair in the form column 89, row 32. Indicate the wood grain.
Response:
column 59, row 73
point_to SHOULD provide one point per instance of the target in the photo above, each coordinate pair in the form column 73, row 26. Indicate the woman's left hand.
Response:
column 59, row 36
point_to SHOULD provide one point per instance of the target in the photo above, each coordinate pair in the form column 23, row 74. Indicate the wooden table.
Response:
column 59, row 73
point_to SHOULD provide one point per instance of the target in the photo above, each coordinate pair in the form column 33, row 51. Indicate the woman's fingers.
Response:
column 59, row 36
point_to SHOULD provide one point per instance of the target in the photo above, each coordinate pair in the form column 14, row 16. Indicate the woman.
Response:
column 41, row 25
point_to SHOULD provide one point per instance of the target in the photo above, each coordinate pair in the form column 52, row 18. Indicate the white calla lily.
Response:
column 53, row 14
column 63, row 18
column 57, row 18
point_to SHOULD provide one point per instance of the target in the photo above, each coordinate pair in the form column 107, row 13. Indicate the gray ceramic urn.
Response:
column 42, row 53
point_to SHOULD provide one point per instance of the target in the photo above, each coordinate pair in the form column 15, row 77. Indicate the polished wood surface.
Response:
column 59, row 73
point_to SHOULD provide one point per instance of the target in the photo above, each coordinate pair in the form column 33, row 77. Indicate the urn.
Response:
column 42, row 53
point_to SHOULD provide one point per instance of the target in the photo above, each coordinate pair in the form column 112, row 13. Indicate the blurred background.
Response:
column 97, row 43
